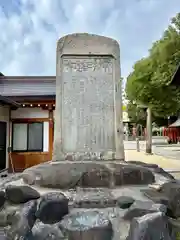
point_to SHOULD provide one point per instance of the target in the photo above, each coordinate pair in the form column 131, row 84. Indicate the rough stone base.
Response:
column 70, row 174
column 89, row 156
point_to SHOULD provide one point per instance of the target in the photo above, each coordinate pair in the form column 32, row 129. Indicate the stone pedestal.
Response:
column 88, row 115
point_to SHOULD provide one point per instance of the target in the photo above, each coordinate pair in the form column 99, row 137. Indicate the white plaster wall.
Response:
column 54, row 114
column 29, row 113
column 4, row 117
column 46, row 137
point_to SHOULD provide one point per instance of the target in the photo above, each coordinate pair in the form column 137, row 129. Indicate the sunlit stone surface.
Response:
column 88, row 225
column 88, row 118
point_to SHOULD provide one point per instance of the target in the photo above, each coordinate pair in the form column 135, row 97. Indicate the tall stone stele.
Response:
column 88, row 115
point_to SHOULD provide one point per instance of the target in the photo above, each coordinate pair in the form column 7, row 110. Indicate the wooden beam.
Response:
column 27, row 120
column 43, row 101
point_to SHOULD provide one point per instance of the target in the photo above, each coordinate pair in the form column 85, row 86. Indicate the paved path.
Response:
column 164, row 162
column 159, row 147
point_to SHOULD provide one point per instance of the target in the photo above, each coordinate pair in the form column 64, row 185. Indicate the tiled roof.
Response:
column 27, row 86
column 27, row 78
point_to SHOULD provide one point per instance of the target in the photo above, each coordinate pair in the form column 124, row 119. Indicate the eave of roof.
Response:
column 9, row 101
column 21, row 99
column 28, row 78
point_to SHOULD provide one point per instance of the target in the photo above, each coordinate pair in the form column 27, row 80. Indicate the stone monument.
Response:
column 88, row 115
column 83, row 200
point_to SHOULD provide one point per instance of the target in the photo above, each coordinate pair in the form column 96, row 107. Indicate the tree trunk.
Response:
column 149, row 132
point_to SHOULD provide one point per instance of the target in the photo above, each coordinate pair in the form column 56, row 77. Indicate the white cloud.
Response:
column 30, row 29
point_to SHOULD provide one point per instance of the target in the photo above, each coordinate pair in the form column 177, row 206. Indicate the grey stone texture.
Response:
column 52, row 208
column 21, row 194
column 87, row 225
column 100, row 213
column 169, row 194
column 140, row 208
column 125, row 202
column 42, row 231
column 151, row 226
column 68, row 175
column 101, row 198
column 88, row 116
column 22, row 222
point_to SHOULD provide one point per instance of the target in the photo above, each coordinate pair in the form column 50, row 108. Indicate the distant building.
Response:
column 176, row 82
column 176, row 77
column 26, row 120
column 27, row 107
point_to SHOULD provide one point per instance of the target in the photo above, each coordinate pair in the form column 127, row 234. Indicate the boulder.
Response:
column 174, row 205
column 175, row 224
column 42, row 231
column 87, row 174
column 151, row 226
column 29, row 212
column 2, row 198
column 163, row 173
column 169, row 194
column 132, row 175
column 172, row 191
column 67, row 175
column 30, row 174
column 52, row 208
column 100, row 198
column 21, row 194
column 7, row 214
column 96, row 178
column 169, row 188
column 154, row 167
column 143, row 164
column 87, row 225
column 139, row 208
column 155, row 196
column 22, row 222
column 125, row 202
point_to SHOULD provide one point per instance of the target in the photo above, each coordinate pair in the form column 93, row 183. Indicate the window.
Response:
column 27, row 137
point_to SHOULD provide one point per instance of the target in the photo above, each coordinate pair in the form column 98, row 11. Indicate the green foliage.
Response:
column 149, row 81
column 138, row 115
column 178, row 236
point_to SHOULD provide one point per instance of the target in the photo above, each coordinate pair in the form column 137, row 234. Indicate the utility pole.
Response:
column 149, row 131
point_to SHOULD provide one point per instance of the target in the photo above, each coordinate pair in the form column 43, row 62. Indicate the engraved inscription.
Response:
column 87, row 65
column 88, row 104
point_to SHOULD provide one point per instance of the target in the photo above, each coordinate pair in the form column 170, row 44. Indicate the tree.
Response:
column 149, row 81
column 135, row 114
column 138, row 115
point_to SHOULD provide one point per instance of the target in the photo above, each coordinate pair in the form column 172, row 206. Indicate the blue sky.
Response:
column 31, row 28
